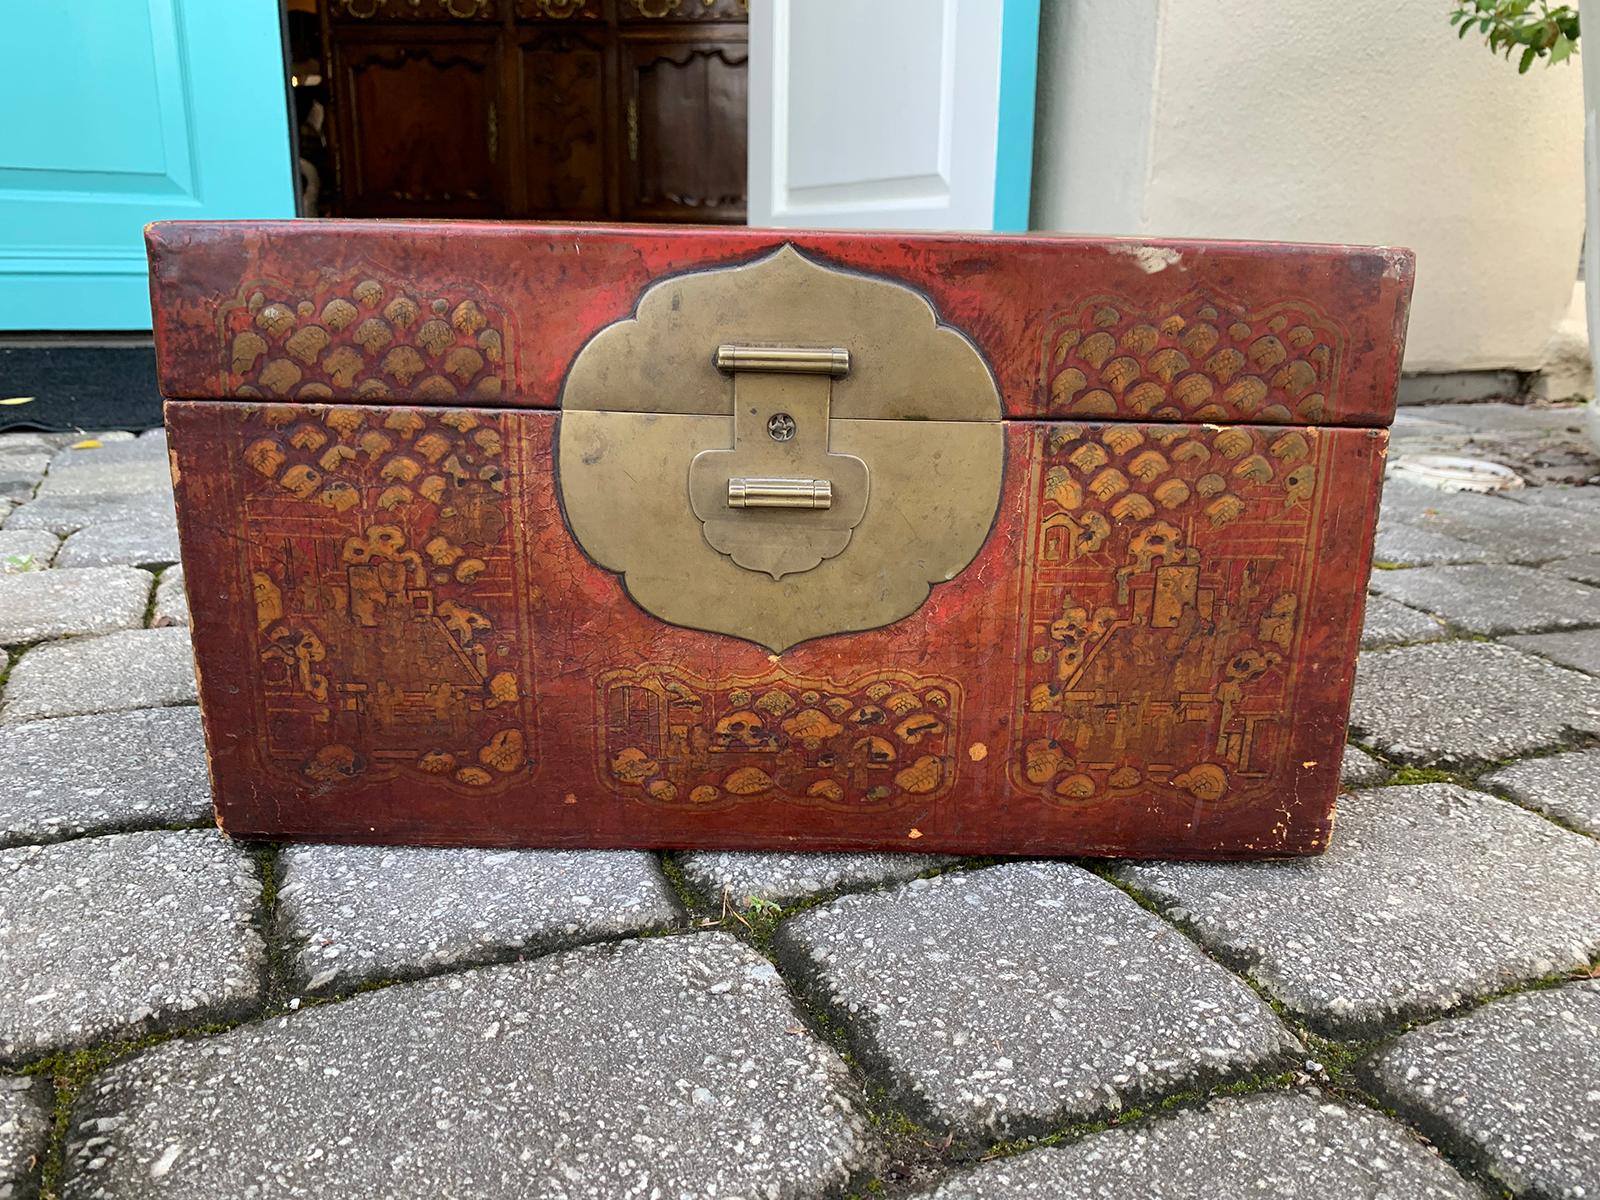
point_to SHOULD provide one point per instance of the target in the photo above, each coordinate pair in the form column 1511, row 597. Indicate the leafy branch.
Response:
column 1541, row 32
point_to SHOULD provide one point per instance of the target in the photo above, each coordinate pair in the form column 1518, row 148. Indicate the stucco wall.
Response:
column 1365, row 121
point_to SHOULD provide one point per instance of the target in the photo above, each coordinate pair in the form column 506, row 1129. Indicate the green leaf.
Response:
column 1536, row 28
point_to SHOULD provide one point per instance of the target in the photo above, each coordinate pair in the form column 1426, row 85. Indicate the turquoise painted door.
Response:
column 121, row 112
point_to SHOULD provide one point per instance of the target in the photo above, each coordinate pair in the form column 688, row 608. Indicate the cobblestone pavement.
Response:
column 1415, row 1014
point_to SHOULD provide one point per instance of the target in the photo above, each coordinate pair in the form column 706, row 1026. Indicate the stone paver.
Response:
column 114, row 936
column 132, row 454
column 1584, row 500
column 359, row 913
column 64, row 514
column 20, row 474
column 1012, row 999
column 131, row 465
column 1286, row 1145
column 1515, row 1085
column 1414, row 422
column 141, row 543
column 147, row 473
column 1500, row 417
column 671, row 1067
column 137, row 668
column 1510, row 531
column 1399, row 544
column 1585, row 568
column 172, row 602
column 1360, row 770
column 1464, row 703
column 59, row 603
column 24, row 1126
column 1564, row 786
column 1490, row 599
column 26, row 549
column 1390, row 623
column 781, row 878
column 77, row 775
column 1430, row 895
column 1578, row 649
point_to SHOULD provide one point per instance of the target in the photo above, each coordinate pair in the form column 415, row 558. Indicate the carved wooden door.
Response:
column 556, row 109
column 418, row 124
column 686, row 130
column 567, row 139
column 684, row 91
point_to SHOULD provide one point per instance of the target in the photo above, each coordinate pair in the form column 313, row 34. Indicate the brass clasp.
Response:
column 780, row 501
column 833, row 362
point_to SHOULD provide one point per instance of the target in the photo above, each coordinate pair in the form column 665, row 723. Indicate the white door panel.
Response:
column 874, row 113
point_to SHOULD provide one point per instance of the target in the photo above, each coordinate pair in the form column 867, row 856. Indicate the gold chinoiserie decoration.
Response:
column 780, row 450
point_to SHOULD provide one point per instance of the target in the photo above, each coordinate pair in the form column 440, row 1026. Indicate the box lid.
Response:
column 489, row 314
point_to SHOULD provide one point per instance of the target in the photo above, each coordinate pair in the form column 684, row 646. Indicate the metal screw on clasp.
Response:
column 780, row 427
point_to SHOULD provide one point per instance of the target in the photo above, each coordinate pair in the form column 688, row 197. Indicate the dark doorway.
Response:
column 577, row 110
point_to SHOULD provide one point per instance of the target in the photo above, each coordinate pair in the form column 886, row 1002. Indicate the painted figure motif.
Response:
column 376, row 543
column 1164, row 572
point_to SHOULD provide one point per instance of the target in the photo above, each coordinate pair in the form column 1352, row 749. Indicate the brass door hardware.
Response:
column 780, row 450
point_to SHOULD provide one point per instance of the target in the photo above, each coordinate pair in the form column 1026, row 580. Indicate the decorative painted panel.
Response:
column 1164, row 579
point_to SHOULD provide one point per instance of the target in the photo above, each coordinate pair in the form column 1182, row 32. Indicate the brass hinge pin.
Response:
column 780, row 493
column 789, row 360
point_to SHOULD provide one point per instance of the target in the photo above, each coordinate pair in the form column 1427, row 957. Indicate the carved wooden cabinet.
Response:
column 552, row 109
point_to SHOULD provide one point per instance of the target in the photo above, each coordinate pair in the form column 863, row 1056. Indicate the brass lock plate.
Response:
column 780, row 450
